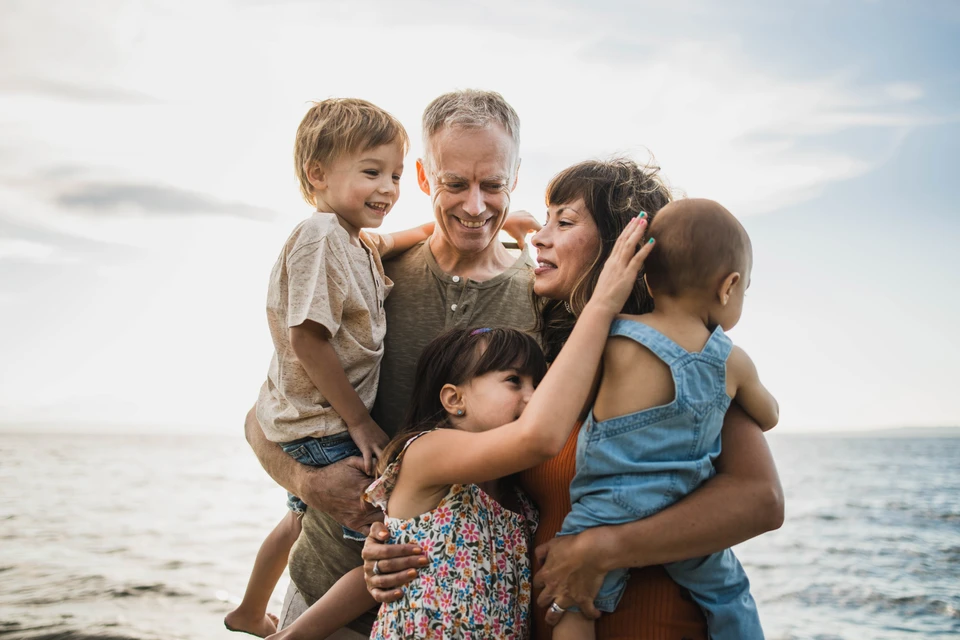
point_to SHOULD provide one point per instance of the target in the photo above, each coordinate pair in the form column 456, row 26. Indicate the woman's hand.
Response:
column 622, row 267
column 570, row 574
column 396, row 564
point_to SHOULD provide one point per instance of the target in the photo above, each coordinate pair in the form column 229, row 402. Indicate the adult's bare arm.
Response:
column 334, row 489
column 743, row 500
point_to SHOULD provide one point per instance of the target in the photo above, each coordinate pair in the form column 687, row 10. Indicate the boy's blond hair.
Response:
column 338, row 126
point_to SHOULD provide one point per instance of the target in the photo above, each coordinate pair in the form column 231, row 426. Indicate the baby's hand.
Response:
column 371, row 440
column 622, row 267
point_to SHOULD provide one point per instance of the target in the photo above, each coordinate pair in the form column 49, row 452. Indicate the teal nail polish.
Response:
column 650, row 241
column 643, row 214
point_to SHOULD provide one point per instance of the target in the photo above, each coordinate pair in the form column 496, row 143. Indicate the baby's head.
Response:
column 702, row 255
column 471, row 379
column 348, row 156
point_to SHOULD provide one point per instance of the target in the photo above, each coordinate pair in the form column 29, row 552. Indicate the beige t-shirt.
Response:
column 321, row 276
column 426, row 303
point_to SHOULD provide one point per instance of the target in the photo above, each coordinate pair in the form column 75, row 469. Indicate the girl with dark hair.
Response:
column 475, row 419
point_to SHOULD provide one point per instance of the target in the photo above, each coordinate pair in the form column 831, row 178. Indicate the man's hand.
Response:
column 396, row 564
column 519, row 224
column 371, row 440
column 336, row 490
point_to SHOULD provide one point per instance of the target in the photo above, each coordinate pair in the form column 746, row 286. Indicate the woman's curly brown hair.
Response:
column 614, row 191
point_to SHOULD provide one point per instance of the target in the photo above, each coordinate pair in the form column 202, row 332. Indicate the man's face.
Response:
column 469, row 176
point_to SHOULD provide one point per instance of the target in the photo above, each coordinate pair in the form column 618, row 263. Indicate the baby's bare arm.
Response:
column 749, row 392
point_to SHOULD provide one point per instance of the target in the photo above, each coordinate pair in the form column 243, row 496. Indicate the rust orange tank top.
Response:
column 653, row 607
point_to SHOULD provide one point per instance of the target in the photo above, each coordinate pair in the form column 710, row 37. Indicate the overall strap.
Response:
column 718, row 345
column 664, row 348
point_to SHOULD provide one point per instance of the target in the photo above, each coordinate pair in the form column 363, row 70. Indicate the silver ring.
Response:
column 376, row 567
column 557, row 608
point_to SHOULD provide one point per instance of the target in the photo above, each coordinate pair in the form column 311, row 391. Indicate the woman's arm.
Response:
column 742, row 501
column 334, row 489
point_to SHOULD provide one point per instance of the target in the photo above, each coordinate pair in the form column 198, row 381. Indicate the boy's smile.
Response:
column 361, row 188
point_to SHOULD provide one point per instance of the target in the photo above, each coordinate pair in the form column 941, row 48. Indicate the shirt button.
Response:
column 453, row 307
column 456, row 278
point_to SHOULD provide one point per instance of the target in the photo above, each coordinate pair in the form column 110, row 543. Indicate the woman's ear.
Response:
column 726, row 287
column 452, row 399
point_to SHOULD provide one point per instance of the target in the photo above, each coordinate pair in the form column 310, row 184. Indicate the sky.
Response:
column 146, row 179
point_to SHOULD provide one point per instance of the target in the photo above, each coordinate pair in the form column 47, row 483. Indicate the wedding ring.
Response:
column 557, row 608
column 376, row 567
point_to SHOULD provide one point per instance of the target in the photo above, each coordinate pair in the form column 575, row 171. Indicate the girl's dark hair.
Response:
column 456, row 357
column 614, row 191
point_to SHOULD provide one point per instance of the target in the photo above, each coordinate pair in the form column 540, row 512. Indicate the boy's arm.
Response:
column 343, row 603
column 397, row 242
column 751, row 395
column 311, row 344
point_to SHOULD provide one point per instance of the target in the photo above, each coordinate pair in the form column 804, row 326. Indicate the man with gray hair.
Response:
column 460, row 277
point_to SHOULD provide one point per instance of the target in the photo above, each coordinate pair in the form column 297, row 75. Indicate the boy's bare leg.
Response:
column 343, row 603
column 573, row 626
column 251, row 616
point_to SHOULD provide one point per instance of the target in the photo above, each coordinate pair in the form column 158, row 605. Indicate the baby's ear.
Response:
column 452, row 399
column 726, row 287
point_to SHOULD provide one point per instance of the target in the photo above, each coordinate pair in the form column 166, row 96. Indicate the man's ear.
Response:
column 516, row 175
column 316, row 176
column 422, row 177
column 726, row 287
column 451, row 399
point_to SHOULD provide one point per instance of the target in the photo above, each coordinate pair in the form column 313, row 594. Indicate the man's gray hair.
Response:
column 469, row 109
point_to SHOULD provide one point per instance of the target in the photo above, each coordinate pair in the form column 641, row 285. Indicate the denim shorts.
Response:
column 320, row 452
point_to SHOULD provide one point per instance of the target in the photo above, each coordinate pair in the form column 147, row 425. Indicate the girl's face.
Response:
column 493, row 399
column 567, row 245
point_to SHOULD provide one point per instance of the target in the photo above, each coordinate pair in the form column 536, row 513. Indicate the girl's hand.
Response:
column 396, row 564
column 569, row 575
column 622, row 268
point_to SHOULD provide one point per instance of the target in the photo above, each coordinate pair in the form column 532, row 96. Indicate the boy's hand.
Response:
column 518, row 224
column 371, row 440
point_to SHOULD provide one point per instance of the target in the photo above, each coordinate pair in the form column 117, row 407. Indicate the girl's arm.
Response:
column 397, row 242
column 742, row 501
column 449, row 456
column 751, row 395
column 343, row 603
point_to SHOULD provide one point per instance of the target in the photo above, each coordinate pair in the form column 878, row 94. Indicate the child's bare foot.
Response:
column 263, row 626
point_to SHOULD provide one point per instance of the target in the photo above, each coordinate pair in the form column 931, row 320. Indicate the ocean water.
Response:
column 143, row 537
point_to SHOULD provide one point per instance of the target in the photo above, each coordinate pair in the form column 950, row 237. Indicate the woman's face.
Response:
column 566, row 247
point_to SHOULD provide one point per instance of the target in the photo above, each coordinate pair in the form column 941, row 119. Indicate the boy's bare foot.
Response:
column 261, row 627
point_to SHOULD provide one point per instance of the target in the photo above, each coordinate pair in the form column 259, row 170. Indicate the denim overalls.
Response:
column 632, row 466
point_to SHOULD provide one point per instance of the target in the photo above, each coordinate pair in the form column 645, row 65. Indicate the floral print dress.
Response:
column 477, row 584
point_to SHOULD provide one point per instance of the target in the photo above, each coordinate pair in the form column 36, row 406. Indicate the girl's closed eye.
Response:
column 372, row 172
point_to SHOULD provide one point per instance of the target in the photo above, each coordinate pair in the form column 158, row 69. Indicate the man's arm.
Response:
column 334, row 489
column 743, row 500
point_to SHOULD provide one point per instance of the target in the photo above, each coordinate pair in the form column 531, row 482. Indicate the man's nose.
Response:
column 473, row 204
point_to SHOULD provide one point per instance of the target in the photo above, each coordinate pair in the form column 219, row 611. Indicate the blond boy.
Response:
column 326, row 317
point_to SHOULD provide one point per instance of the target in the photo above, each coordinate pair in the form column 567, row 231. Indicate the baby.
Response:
column 668, row 378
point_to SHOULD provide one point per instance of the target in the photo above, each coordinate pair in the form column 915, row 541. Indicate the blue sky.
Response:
column 146, row 187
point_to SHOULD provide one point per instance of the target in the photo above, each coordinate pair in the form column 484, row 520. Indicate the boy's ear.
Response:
column 451, row 399
column 316, row 176
column 726, row 287
column 422, row 177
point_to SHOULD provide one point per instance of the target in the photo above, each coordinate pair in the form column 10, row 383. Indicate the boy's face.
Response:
column 361, row 188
